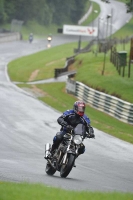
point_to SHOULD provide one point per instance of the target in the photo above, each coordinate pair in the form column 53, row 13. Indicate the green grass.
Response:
column 90, row 73
column 127, row 30
column 25, row 191
column 44, row 61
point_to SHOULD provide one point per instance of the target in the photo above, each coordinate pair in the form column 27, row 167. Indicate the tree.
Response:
column 129, row 5
column 3, row 15
column 43, row 11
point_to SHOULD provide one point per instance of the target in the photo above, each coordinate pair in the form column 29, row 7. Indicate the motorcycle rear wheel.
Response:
column 65, row 169
column 49, row 169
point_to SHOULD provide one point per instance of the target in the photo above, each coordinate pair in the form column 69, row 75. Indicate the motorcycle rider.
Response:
column 69, row 120
column 49, row 38
column 31, row 37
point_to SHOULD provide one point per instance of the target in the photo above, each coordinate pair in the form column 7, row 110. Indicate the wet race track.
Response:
column 26, row 124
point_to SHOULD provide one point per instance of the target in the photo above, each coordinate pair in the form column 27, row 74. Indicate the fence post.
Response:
column 111, row 53
column 129, row 66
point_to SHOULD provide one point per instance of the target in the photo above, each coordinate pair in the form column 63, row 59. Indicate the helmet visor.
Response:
column 81, row 110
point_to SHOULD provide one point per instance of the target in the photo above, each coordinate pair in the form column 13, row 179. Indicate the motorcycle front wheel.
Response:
column 67, row 167
column 49, row 169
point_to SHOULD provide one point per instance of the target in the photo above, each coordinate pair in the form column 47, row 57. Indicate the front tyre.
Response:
column 49, row 169
column 65, row 169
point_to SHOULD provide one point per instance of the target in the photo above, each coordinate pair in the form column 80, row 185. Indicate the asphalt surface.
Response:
column 26, row 124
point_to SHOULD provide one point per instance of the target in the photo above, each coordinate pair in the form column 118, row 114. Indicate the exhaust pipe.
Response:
column 47, row 150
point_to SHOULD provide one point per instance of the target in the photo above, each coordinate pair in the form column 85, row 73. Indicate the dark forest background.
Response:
column 44, row 12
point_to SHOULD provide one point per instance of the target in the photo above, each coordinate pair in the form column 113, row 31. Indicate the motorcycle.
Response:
column 63, row 159
column 49, row 41
column 31, row 38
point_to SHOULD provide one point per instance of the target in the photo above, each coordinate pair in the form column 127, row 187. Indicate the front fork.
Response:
column 69, row 151
column 65, row 156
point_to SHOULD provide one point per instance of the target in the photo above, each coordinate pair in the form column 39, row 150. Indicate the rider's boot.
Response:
column 52, row 151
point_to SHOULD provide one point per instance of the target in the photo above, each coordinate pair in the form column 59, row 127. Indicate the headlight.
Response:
column 49, row 38
column 77, row 139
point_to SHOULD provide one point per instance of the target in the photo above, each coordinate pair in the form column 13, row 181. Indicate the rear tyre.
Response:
column 49, row 169
column 65, row 169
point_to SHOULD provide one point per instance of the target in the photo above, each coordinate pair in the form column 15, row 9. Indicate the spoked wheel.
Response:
column 66, row 168
column 49, row 169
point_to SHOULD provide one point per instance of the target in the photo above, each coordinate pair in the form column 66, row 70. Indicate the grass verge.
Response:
column 89, row 69
column 44, row 62
column 21, row 191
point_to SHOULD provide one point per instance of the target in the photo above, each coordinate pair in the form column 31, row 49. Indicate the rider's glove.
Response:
column 69, row 127
column 90, row 132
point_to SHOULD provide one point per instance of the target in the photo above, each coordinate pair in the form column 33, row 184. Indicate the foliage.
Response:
column 44, row 12
column 2, row 12
column 129, row 5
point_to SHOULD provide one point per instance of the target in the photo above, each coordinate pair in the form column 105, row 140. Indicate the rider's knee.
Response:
column 58, row 137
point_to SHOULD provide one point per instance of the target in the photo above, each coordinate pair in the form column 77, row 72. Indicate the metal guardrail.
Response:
column 71, row 60
column 8, row 37
column 111, row 105
column 61, row 71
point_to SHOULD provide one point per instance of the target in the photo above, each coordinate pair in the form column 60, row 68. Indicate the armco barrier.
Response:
column 59, row 71
column 111, row 105
column 70, row 60
column 8, row 37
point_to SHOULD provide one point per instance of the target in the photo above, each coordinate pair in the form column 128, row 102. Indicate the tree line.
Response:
column 129, row 5
column 45, row 12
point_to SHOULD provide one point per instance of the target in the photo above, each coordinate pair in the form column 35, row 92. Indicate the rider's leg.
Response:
column 56, row 140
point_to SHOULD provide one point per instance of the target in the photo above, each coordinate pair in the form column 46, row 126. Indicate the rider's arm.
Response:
column 89, row 128
column 90, row 132
column 61, row 121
